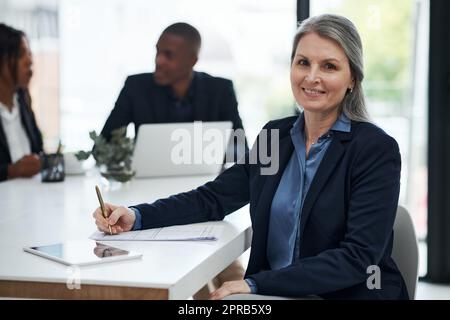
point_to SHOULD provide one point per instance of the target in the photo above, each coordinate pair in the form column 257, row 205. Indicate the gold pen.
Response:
column 102, row 206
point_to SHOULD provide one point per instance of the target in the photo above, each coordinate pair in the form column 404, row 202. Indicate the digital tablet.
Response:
column 82, row 252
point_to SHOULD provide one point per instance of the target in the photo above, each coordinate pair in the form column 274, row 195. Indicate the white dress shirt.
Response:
column 16, row 137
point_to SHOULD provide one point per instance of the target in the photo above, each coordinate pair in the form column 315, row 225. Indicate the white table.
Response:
column 35, row 213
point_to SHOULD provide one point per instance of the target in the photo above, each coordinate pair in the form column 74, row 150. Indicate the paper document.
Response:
column 190, row 232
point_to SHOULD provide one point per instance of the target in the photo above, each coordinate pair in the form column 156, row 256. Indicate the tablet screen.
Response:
column 81, row 252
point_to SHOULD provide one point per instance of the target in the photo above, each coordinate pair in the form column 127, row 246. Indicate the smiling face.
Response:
column 320, row 74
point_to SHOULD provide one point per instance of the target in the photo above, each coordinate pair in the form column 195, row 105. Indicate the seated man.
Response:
column 176, row 93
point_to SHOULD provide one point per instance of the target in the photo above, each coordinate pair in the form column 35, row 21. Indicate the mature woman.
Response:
column 326, row 216
column 20, row 138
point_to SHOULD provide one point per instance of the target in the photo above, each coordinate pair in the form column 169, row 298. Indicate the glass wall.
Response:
column 95, row 45
column 246, row 41
column 39, row 20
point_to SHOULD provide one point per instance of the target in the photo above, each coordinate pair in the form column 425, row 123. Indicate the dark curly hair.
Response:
column 10, row 44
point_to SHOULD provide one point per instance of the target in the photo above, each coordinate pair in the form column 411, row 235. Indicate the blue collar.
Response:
column 342, row 124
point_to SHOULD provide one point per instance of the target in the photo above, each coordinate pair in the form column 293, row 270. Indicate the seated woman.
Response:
column 20, row 138
column 326, row 216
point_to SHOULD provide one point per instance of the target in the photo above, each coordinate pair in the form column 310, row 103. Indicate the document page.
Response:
column 190, row 232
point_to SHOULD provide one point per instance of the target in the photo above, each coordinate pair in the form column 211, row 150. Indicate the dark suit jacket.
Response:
column 346, row 224
column 31, row 128
column 143, row 101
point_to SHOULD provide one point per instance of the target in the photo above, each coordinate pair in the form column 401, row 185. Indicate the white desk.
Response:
column 33, row 213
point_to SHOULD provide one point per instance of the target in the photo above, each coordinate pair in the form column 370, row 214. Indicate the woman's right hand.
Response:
column 121, row 219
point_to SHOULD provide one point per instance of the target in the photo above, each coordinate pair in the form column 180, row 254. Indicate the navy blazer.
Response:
column 347, row 218
column 31, row 129
column 143, row 101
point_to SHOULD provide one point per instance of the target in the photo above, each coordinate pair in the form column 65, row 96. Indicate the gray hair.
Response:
column 344, row 32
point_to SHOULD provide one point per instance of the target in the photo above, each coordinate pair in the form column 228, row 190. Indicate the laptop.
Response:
column 179, row 149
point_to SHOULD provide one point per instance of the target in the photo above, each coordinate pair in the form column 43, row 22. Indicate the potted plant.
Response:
column 113, row 157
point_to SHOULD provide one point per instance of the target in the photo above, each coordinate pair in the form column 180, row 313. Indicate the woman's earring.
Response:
column 351, row 90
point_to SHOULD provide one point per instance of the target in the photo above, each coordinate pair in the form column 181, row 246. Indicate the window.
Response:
column 95, row 45
column 39, row 20
column 246, row 41
column 395, row 43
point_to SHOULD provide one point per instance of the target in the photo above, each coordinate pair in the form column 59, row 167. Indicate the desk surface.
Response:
column 34, row 213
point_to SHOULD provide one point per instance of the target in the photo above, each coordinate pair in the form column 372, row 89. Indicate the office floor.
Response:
column 425, row 290
column 429, row 291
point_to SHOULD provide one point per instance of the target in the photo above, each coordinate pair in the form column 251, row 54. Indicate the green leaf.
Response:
column 116, row 154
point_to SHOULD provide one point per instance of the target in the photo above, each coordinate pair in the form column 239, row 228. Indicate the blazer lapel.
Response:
column 326, row 168
column 160, row 104
column 200, row 107
column 3, row 142
column 270, row 184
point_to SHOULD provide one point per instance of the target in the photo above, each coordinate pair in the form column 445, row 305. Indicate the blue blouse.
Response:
column 285, row 214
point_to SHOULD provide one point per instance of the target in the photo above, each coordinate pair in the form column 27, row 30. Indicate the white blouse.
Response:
column 16, row 136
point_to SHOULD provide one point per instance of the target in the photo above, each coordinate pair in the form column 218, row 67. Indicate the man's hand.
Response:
column 27, row 166
column 230, row 287
column 121, row 219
